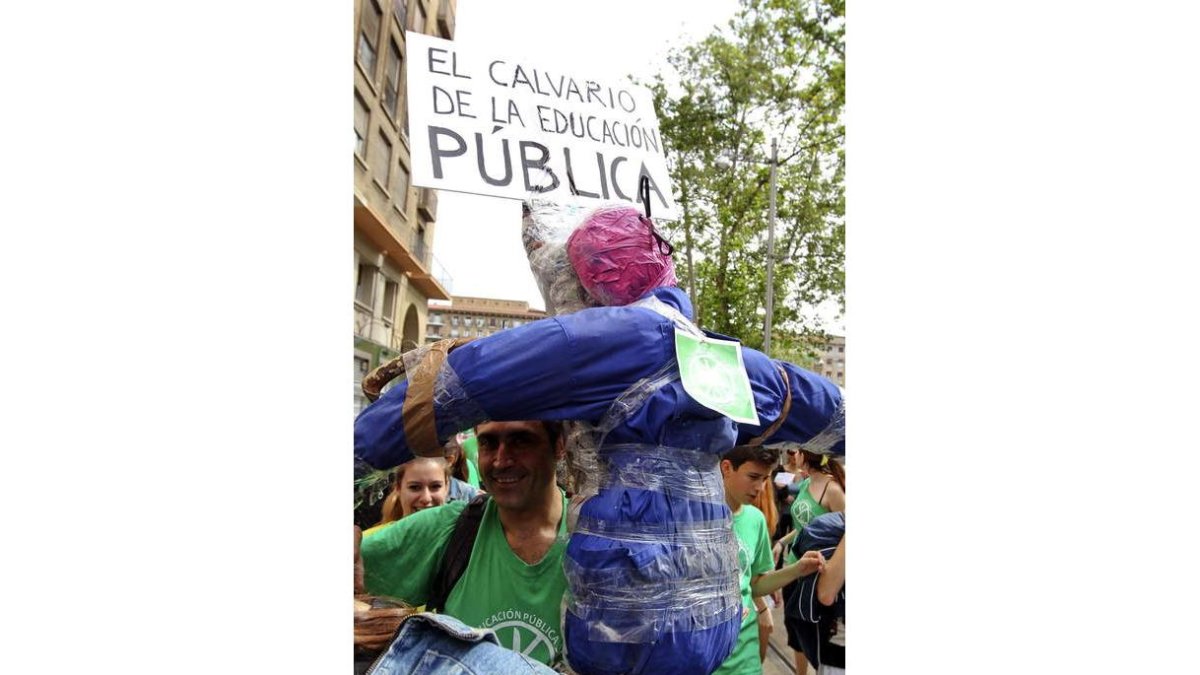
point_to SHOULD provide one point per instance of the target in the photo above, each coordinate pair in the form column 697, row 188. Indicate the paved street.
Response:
column 779, row 656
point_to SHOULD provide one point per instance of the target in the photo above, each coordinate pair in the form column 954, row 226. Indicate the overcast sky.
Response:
column 478, row 239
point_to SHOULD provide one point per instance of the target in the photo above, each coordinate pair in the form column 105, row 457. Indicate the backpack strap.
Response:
column 457, row 553
column 783, row 413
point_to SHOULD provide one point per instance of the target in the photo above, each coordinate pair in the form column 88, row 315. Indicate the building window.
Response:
column 400, row 189
column 403, row 121
column 829, row 373
column 453, row 332
column 381, row 159
column 479, row 321
column 839, row 374
column 361, row 368
column 829, row 361
column 361, row 116
column 418, row 22
column 368, row 33
column 492, row 322
column 454, row 321
column 365, row 289
column 841, row 349
column 390, row 290
column 434, row 317
column 391, row 82
column 400, row 9
column 516, row 323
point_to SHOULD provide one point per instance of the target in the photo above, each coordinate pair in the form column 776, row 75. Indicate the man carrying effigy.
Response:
column 651, row 566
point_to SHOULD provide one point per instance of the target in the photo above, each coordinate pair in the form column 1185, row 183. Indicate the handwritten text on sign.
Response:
column 506, row 128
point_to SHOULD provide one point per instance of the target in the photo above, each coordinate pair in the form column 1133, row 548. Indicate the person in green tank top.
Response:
column 514, row 581
column 745, row 470
column 822, row 491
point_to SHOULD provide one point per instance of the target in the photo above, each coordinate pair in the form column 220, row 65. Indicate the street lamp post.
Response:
column 723, row 162
column 770, row 253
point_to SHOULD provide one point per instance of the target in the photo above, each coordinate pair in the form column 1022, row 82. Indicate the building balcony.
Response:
column 420, row 250
column 408, row 251
column 427, row 203
column 443, row 277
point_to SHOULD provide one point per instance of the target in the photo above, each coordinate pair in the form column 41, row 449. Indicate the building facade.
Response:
column 395, row 273
column 477, row 317
column 832, row 362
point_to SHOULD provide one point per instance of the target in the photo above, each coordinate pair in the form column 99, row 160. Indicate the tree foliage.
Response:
column 777, row 71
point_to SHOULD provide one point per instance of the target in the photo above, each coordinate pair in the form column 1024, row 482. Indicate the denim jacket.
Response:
column 460, row 491
column 438, row 643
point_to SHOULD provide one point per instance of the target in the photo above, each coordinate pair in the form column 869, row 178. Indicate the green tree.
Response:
column 777, row 71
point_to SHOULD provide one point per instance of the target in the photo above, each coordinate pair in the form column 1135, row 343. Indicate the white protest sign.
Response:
column 504, row 127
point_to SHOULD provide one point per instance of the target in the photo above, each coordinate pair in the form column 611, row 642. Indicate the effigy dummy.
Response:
column 651, row 564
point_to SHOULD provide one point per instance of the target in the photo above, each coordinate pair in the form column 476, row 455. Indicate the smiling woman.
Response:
column 418, row 484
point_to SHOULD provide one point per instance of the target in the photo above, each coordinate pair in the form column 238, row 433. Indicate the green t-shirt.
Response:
column 754, row 558
column 520, row 602
column 472, row 473
column 804, row 509
column 470, row 446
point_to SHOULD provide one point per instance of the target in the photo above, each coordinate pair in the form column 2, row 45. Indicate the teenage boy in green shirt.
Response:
column 745, row 469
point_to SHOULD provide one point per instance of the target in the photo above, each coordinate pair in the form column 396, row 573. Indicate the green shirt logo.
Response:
column 524, row 637
column 713, row 373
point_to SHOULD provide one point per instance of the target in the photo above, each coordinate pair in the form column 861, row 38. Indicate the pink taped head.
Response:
column 619, row 257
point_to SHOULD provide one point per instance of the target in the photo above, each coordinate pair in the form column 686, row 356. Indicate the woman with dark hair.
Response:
column 457, row 459
column 461, row 450
column 459, row 489
column 821, row 491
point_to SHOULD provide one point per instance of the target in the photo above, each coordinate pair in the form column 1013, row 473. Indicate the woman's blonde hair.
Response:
column 765, row 502
column 392, row 508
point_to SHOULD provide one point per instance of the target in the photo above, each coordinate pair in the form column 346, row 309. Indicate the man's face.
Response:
column 792, row 461
column 745, row 482
column 516, row 463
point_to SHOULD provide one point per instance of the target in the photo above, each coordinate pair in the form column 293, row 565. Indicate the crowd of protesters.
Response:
column 517, row 461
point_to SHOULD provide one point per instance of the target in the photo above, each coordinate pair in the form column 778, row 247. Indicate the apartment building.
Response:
column 395, row 273
column 832, row 361
column 477, row 317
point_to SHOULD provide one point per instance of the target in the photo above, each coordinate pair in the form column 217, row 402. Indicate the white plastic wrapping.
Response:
column 834, row 432
column 545, row 229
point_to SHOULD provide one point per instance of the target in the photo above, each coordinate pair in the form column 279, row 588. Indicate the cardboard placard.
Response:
column 491, row 125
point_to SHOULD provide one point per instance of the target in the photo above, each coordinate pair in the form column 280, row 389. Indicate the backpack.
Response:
column 457, row 553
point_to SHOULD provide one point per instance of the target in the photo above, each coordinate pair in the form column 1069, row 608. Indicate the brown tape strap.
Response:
column 419, row 426
column 787, row 406
column 374, row 381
